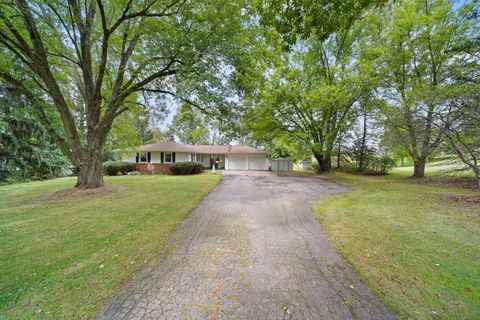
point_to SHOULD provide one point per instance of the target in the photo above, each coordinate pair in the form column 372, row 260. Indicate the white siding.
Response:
column 232, row 162
column 155, row 157
column 182, row 157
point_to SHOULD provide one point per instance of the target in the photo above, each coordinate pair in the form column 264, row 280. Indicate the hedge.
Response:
column 186, row 168
column 112, row 168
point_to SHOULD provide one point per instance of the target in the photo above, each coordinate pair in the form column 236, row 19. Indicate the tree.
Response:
column 461, row 127
column 311, row 93
column 189, row 125
column 92, row 58
column 26, row 150
column 320, row 19
column 417, row 38
column 308, row 91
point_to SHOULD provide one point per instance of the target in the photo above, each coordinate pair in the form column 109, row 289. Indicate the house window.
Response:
column 168, row 158
column 143, row 157
column 198, row 157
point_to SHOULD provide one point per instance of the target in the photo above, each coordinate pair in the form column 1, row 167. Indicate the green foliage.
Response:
column 374, row 163
column 310, row 95
column 95, row 61
column 381, row 164
column 184, row 168
column 112, row 168
column 413, row 45
column 319, row 18
column 279, row 151
column 26, row 150
column 189, row 125
column 284, row 146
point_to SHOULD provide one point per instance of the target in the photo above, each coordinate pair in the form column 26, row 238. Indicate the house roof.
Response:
column 173, row 146
column 166, row 146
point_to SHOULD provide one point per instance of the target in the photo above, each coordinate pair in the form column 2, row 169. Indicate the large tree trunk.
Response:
column 90, row 173
column 419, row 167
column 324, row 162
column 477, row 175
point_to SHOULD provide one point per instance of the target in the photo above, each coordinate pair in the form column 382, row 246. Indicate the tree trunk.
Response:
column 339, row 151
column 90, row 173
column 419, row 167
column 361, row 162
column 477, row 176
column 324, row 163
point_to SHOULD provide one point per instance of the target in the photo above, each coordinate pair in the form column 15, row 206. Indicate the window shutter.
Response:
column 136, row 158
column 173, row 157
column 149, row 157
column 161, row 157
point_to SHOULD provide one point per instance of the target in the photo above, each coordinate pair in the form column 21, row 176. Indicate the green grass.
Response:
column 418, row 250
column 66, row 258
column 442, row 168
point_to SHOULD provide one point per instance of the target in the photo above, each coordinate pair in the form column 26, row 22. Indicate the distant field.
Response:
column 64, row 257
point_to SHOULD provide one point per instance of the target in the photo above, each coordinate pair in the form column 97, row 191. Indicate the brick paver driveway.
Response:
column 252, row 250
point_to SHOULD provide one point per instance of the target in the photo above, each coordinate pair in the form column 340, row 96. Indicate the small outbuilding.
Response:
column 281, row 164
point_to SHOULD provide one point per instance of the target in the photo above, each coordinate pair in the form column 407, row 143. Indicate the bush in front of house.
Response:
column 112, row 168
column 181, row 168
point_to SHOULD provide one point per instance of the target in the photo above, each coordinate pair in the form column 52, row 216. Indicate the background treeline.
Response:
column 399, row 83
column 354, row 84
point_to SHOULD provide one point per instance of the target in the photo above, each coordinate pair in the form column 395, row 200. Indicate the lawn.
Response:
column 66, row 257
column 440, row 168
column 416, row 245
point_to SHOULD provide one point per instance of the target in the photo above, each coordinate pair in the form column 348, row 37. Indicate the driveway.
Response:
column 249, row 173
column 252, row 250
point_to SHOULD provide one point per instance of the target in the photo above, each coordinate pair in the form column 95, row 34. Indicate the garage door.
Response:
column 256, row 163
column 237, row 163
column 241, row 163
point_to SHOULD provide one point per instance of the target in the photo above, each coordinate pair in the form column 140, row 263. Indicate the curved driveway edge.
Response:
column 252, row 250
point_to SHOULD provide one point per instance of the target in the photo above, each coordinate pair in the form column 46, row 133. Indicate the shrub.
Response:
column 386, row 164
column 377, row 165
column 112, row 168
column 186, row 168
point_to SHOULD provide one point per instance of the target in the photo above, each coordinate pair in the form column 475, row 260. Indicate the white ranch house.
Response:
column 158, row 157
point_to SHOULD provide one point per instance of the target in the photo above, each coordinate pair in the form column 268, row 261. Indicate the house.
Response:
column 158, row 157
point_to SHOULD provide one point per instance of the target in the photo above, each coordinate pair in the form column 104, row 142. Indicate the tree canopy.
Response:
column 95, row 59
column 349, row 80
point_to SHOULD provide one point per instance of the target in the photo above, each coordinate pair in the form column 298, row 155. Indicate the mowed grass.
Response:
column 442, row 168
column 416, row 248
column 66, row 258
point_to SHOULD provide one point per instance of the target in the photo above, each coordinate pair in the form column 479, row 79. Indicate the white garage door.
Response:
column 241, row 163
column 256, row 163
column 237, row 163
